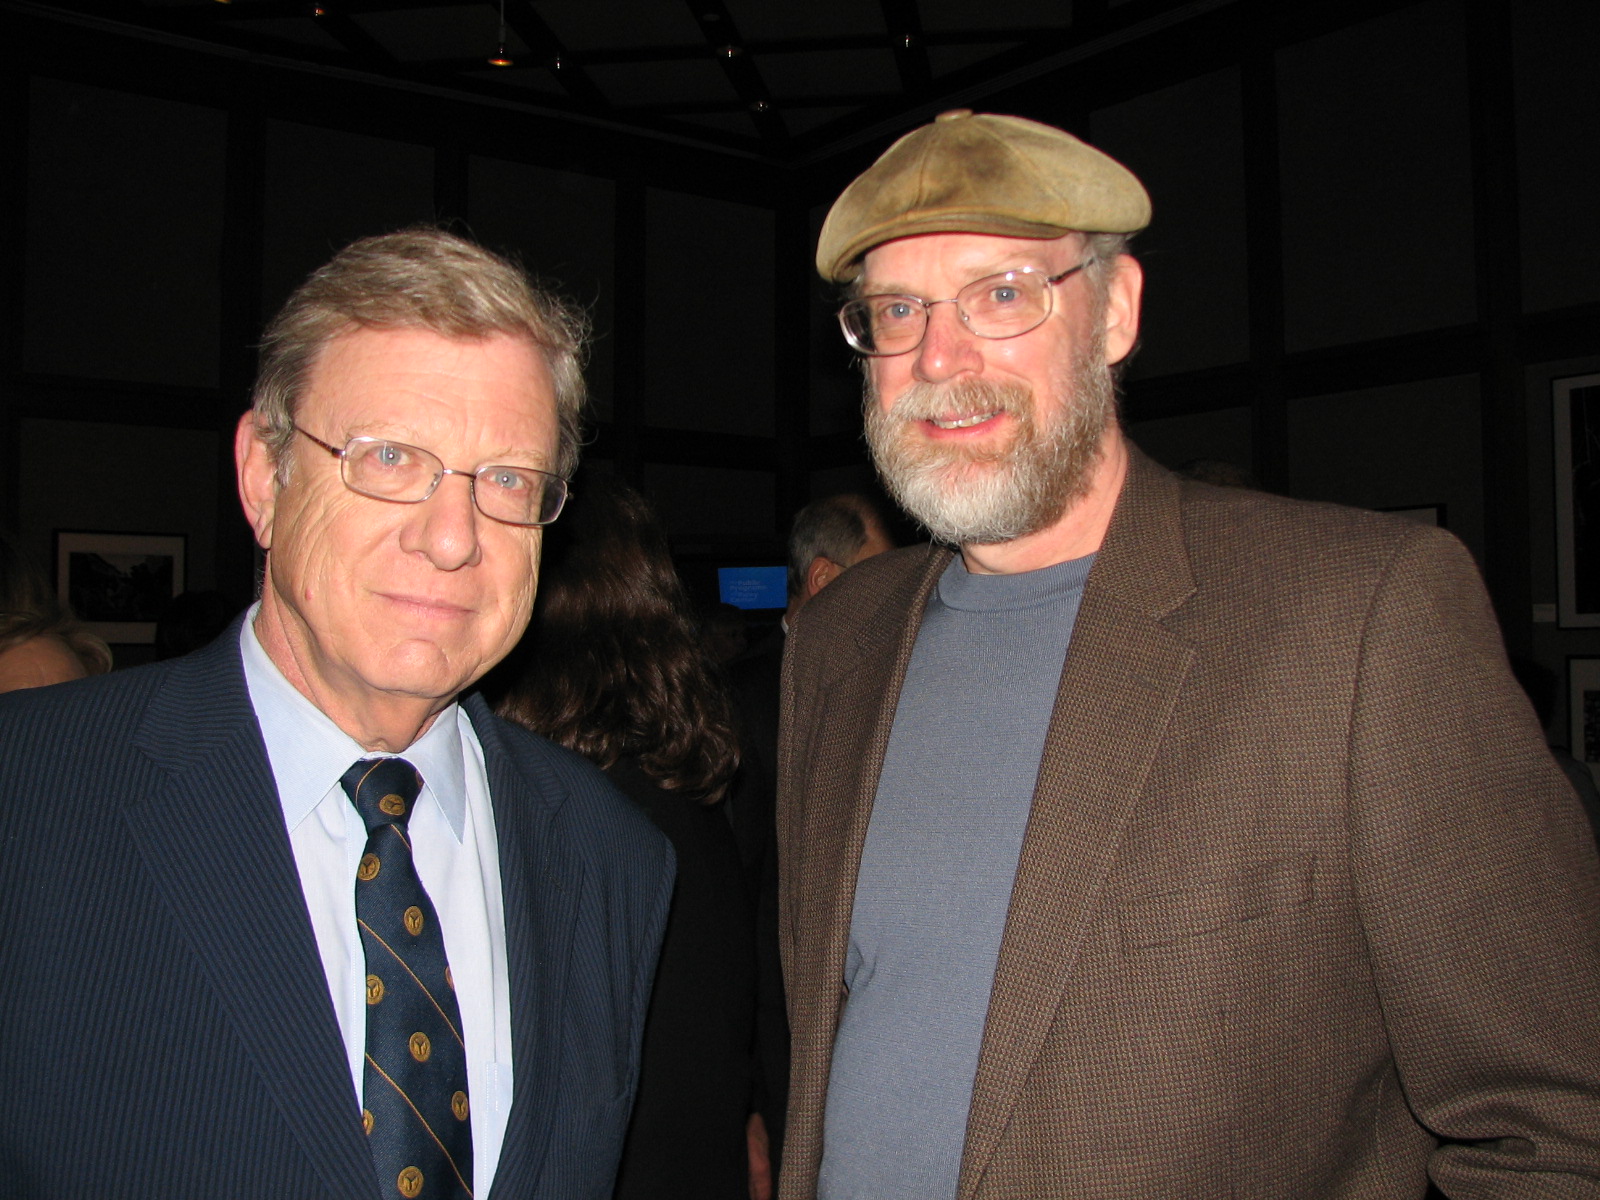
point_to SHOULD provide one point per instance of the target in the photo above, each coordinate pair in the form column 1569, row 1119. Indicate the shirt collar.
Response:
column 309, row 753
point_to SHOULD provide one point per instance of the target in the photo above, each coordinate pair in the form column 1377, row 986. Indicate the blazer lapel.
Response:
column 866, row 691
column 212, row 836
column 540, row 883
column 1123, row 671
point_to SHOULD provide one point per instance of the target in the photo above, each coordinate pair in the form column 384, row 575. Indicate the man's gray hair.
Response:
column 835, row 528
column 419, row 278
column 1100, row 258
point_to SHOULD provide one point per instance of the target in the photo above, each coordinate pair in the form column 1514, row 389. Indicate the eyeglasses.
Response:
column 386, row 470
column 1006, row 305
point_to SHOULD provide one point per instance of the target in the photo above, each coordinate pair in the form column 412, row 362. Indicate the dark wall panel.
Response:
column 122, row 460
column 709, row 506
column 1557, row 49
column 562, row 226
column 324, row 189
column 855, row 477
column 1185, row 143
column 1223, row 434
column 1394, row 447
column 709, row 331
column 1377, row 185
column 835, row 382
column 124, row 215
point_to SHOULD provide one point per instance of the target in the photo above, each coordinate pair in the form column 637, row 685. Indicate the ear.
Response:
column 258, row 480
column 820, row 574
column 1122, row 308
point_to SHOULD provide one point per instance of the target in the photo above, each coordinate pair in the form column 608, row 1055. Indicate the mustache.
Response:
column 961, row 398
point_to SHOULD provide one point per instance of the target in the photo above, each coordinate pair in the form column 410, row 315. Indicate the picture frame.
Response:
column 1575, row 401
column 1583, row 712
column 118, row 583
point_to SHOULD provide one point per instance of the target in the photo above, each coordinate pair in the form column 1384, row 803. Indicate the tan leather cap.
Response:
column 980, row 173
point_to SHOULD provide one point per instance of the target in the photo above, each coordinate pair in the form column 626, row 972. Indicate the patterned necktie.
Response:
column 415, row 1090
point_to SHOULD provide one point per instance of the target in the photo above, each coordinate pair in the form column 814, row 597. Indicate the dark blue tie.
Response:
column 415, row 1092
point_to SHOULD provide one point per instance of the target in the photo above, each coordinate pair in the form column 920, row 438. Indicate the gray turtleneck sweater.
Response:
column 936, row 876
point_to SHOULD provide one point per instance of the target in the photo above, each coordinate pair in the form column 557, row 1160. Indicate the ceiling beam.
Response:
column 687, row 107
column 334, row 17
column 548, row 51
column 722, row 39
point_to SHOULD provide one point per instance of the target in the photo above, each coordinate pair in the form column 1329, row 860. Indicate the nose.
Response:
column 444, row 527
column 948, row 347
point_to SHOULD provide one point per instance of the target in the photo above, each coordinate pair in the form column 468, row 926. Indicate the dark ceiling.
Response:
column 787, row 81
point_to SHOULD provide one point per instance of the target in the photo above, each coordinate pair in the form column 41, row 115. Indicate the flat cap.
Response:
column 981, row 173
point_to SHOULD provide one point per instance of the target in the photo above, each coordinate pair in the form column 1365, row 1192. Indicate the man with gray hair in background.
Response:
column 1147, row 839
column 828, row 537
column 295, row 915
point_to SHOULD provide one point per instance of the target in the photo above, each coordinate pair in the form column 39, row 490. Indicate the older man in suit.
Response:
column 1163, row 841
column 286, row 917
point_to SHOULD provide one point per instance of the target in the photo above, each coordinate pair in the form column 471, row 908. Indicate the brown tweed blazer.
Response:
column 1304, row 909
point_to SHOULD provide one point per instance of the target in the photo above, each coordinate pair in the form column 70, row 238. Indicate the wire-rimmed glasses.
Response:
column 402, row 474
column 1006, row 305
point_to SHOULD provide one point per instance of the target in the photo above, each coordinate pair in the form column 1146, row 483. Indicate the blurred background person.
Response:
column 41, row 642
column 612, row 667
column 722, row 632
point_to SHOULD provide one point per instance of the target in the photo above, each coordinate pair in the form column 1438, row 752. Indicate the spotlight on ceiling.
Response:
column 500, row 58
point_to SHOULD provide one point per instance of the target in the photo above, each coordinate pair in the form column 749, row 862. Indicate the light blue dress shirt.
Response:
column 453, row 839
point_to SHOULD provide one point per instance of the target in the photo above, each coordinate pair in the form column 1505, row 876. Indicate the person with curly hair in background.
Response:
column 41, row 642
column 613, row 668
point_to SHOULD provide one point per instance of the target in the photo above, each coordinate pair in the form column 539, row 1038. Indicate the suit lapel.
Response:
column 211, row 834
column 540, row 883
column 1121, row 679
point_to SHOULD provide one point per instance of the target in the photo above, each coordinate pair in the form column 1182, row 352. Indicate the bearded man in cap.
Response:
column 1148, row 839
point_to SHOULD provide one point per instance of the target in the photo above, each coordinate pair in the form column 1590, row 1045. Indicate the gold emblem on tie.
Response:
column 410, row 1183
column 394, row 805
column 458, row 1105
column 369, row 867
column 449, row 979
column 374, row 989
column 420, row 1046
column 366, row 1120
column 413, row 919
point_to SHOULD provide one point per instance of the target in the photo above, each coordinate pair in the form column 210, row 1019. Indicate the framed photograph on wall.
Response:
column 118, row 583
column 1576, row 402
column 1583, row 712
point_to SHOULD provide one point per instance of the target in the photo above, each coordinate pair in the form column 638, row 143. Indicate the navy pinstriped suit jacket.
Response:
column 165, row 1025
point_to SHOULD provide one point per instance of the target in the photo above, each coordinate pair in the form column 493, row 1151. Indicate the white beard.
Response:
column 966, row 496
